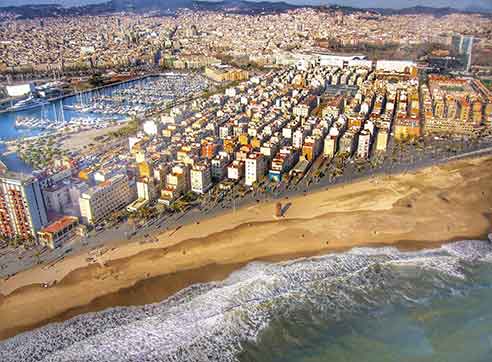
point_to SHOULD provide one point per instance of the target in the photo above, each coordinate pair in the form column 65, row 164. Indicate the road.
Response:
column 14, row 260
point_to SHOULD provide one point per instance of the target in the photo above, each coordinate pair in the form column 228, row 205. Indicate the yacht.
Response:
column 28, row 103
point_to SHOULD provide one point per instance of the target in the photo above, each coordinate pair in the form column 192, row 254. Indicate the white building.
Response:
column 399, row 66
column 19, row 90
column 364, row 144
column 167, row 119
column 56, row 197
column 301, row 110
column 225, row 131
column 75, row 189
column 132, row 141
column 360, row 63
column 298, row 139
column 201, row 178
column 235, row 171
column 104, row 175
column 105, row 198
column 146, row 190
column 287, row 132
column 231, row 92
column 269, row 149
column 255, row 168
column 336, row 60
column 330, row 145
column 152, row 128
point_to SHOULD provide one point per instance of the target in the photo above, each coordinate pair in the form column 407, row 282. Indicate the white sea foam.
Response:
column 373, row 251
column 208, row 322
column 469, row 249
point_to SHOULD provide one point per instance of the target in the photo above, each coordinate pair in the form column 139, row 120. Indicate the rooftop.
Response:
column 59, row 224
column 15, row 176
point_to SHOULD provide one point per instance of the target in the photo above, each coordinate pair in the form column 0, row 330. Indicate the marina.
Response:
column 97, row 108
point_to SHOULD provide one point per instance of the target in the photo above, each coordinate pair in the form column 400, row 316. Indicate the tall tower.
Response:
column 463, row 45
column 467, row 51
column 22, row 208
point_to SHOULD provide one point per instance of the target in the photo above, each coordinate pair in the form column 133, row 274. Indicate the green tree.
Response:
column 96, row 80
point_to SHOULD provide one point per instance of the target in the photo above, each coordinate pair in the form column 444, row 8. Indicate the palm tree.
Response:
column 37, row 254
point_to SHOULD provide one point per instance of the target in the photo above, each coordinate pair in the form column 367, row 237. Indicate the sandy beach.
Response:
column 411, row 211
column 77, row 141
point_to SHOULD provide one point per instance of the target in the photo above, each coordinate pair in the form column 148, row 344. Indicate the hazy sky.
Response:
column 355, row 3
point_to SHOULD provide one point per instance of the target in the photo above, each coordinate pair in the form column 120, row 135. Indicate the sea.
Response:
column 365, row 304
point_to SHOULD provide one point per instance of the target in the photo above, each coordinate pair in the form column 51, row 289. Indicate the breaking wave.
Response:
column 211, row 322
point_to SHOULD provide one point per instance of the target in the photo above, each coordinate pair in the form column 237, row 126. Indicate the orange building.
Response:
column 465, row 111
column 230, row 145
column 255, row 142
column 407, row 128
column 145, row 169
column 221, row 73
column 244, row 139
column 85, row 174
column 58, row 232
column 208, row 150
column 22, row 208
column 308, row 151
column 355, row 122
column 477, row 113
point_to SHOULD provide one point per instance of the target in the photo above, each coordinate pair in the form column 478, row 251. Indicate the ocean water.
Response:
column 362, row 305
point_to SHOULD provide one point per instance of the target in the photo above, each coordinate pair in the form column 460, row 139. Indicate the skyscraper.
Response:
column 22, row 208
column 467, row 51
column 463, row 45
column 457, row 43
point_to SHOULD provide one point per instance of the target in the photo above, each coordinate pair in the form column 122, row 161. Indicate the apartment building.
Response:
column 177, row 183
column 255, row 168
column 283, row 162
column 105, row 198
column 201, row 178
column 235, row 171
column 219, row 166
column 22, row 207
column 364, row 143
column 382, row 140
column 330, row 145
column 146, row 189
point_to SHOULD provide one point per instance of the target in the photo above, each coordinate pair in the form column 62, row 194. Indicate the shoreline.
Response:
column 149, row 291
column 419, row 210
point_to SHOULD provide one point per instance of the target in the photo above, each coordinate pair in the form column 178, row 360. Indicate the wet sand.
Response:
column 412, row 211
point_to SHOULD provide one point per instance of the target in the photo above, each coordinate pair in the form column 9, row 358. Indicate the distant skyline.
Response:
column 487, row 4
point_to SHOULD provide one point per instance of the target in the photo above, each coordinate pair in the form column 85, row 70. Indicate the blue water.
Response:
column 13, row 161
column 55, row 111
column 451, row 326
column 371, row 305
